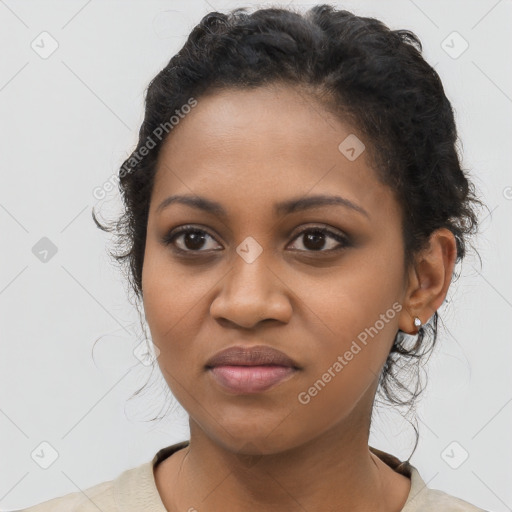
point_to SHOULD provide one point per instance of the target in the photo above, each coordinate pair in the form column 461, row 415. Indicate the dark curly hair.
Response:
column 356, row 67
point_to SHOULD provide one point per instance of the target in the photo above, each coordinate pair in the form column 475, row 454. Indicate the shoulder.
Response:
column 97, row 497
column 440, row 500
column 133, row 489
column 425, row 499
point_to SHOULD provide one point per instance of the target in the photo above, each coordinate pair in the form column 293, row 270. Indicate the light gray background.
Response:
column 68, row 122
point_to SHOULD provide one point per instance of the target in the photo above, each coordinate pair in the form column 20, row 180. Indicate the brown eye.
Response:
column 317, row 239
column 189, row 239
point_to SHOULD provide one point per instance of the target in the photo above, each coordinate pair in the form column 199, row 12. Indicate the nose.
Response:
column 251, row 293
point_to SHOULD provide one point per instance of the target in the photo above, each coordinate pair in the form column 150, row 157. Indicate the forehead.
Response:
column 261, row 146
column 263, row 123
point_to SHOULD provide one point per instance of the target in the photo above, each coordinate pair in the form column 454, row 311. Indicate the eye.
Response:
column 314, row 240
column 191, row 239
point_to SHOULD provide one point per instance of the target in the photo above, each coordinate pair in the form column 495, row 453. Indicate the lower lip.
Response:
column 250, row 379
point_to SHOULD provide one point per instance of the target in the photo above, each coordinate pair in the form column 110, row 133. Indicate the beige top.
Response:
column 135, row 490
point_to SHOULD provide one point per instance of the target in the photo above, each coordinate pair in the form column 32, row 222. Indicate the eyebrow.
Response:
column 282, row 208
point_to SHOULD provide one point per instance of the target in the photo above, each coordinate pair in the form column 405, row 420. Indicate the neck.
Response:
column 336, row 471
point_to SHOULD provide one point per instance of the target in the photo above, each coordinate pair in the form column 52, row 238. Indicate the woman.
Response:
column 295, row 208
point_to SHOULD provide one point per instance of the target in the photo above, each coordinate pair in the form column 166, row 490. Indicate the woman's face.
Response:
column 259, row 275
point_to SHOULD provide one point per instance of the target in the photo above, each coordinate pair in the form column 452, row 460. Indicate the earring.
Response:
column 417, row 322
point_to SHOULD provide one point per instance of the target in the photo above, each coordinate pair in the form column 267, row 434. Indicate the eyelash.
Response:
column 173, row 235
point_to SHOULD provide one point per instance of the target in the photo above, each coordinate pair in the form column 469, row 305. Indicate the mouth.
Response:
column 245, row 370
column 250, row 379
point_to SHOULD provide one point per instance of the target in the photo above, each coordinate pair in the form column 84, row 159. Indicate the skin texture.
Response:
column 249, row 149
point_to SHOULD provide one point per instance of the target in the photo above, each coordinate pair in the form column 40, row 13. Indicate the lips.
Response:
column 244, row 370
column 259, row 355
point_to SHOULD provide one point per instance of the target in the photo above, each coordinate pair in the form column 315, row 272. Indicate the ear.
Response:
column 429, row 280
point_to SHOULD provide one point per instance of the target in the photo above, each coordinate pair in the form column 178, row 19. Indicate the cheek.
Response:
column 171, row 317
column 166, row 307
column 175, row 310
column 351, row 321
column 348, row 302
column 343, row 372
column 169, row 292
